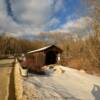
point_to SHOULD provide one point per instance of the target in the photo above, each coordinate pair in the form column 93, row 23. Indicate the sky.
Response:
column 30, row 17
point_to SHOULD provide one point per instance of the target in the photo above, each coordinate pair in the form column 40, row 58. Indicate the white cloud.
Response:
column 33, row 16
column 28, row 16
column 35, row 12
column 53, row 22
column 59, row 5
column 73, row 26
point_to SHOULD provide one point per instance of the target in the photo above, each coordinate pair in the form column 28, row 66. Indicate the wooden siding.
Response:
column 36, row 60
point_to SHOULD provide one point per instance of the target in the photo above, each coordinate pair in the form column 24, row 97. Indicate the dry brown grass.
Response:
column 81, row 54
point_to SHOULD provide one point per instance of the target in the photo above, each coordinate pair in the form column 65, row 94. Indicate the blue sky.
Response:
column 71, row 10
column 30, row 17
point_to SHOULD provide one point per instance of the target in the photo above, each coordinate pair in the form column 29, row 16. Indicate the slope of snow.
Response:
column 70, row 85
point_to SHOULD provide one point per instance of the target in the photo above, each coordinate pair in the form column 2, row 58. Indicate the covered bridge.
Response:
column 36, row 59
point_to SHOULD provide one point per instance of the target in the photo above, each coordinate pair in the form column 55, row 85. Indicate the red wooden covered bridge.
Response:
column 36, row 59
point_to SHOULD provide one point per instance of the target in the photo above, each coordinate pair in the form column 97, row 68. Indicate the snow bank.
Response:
column 62, row 83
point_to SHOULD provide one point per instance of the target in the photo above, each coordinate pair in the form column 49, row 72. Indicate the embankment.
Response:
column 18, row 82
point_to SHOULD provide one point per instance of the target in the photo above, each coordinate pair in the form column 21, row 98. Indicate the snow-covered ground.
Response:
column 63, row 84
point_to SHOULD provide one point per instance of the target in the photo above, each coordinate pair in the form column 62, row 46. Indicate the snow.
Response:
column 41, row 49
column 63, row 84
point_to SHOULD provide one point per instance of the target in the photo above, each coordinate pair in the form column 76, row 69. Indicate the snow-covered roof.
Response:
column 41, row 49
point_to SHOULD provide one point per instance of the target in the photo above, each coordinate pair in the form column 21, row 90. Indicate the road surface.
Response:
column 5, row 71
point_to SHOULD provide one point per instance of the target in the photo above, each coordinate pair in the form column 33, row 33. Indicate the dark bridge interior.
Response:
column 51, row 58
